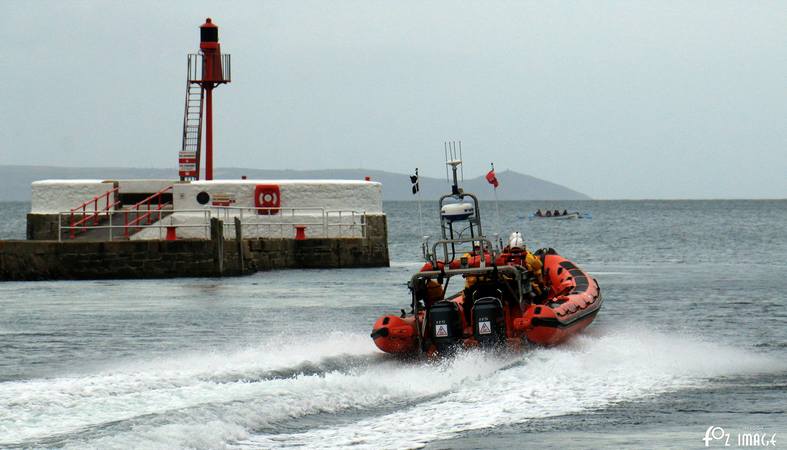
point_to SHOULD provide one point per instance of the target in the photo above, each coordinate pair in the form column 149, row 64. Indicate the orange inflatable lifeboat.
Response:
column 498, row 307
column 508, row 298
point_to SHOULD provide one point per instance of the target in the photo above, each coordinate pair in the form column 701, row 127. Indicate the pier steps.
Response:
column 116, row 232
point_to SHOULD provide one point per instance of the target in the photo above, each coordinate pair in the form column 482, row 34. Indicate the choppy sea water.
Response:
column 693, row 334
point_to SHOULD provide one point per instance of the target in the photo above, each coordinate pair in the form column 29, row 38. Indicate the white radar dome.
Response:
column 457, row 211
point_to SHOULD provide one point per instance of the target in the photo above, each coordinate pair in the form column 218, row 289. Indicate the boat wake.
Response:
column 337, row 391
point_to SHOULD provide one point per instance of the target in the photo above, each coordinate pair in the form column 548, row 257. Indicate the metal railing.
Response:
column 195, row 68
column 78, row 225
column 123, row 231
column 141, row 211
column 319, row 222
column 348, row 223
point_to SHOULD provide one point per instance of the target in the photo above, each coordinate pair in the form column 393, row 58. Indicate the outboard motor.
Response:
column 489, row 322
column 445, row 326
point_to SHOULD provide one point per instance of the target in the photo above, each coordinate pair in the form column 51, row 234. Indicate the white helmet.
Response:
column 516, row 241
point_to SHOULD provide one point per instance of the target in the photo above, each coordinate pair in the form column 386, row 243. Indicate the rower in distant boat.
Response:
column 556, row 214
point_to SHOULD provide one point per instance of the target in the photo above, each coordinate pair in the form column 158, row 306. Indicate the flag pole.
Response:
column 497, row 206
column 420, row 217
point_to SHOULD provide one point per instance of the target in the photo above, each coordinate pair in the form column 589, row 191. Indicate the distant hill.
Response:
column 15, row 181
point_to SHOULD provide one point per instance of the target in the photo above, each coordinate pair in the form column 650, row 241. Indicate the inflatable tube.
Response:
column 393, row 334
column 573, row 302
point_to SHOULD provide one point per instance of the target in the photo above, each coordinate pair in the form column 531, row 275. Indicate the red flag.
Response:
column 492, row 179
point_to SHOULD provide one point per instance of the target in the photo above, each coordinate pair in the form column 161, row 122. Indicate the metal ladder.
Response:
column 192, row 123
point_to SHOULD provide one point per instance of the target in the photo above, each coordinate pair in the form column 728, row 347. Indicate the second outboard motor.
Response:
column 445, row 326
column 489, row 322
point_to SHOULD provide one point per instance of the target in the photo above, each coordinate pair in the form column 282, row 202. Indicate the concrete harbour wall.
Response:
column 52, row 260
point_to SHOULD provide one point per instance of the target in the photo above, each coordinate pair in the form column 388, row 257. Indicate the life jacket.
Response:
column 533, row 264
column 530, row 261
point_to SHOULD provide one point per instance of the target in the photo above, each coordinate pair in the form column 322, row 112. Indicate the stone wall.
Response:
column 52, row 260
column 48, row 260
column 42, row 227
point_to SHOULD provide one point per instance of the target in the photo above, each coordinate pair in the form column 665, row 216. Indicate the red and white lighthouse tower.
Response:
column 206, row 70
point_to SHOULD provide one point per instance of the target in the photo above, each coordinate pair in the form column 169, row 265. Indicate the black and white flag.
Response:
column 414, row 181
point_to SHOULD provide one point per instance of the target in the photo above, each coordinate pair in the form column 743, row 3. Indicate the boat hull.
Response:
column 573, row 302
column 551, row 333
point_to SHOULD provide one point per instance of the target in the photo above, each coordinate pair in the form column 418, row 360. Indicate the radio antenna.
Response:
column 445, row 150
column 461, row 168
column 455, row 163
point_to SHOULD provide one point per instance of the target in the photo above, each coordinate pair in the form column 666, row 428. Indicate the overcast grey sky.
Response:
column 616, row 99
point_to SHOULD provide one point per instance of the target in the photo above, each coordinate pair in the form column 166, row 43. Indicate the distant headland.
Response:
column 15, row 181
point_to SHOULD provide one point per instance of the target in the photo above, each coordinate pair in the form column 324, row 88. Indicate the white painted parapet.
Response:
column 54, row 196
column 327, row 208
column 267, row 208
column 328, row 194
